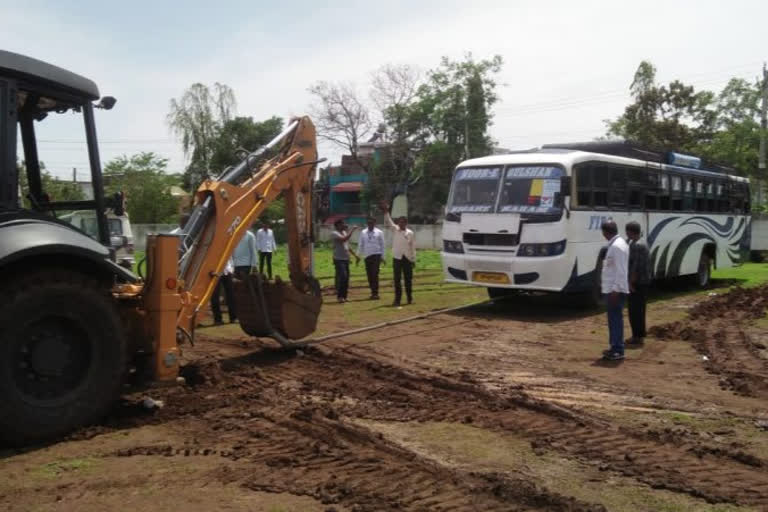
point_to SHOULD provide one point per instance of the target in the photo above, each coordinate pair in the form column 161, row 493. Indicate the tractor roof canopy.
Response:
column 54, row 88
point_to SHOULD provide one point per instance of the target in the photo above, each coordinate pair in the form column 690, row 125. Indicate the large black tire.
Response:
column 62, row 354
column 703, row 275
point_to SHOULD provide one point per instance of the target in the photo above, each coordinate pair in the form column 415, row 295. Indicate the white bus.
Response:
column 531, row 220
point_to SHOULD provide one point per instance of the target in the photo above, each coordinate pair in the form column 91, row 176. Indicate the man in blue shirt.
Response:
column 245, row 255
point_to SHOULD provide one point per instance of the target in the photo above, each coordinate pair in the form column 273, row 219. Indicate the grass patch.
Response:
column 59, row 467
column 748, row 274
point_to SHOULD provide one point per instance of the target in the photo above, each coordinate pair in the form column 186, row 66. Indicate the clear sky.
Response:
column 567, row 64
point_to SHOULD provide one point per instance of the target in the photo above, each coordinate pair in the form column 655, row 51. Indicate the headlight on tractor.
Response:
column 453, row 246
column 536, row 250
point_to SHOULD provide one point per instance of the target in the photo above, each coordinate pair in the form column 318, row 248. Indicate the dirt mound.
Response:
column 717, row 327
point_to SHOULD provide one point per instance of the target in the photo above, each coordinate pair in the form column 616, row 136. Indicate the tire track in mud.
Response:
column 716, row 327
column 293, row 442
column 287, row 417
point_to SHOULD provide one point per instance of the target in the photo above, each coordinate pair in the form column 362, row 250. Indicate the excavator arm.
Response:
column 183, row 271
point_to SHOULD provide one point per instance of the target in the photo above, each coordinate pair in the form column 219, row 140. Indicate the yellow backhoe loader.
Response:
column 72, row 321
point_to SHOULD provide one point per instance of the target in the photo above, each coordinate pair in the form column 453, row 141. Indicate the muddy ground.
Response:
column 495, row 407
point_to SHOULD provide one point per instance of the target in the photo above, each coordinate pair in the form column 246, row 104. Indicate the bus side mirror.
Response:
column 565, row 186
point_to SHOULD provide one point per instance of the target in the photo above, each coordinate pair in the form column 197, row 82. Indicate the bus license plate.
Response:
column 490, row 277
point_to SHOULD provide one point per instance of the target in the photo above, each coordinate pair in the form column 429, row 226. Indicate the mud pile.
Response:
column 720, row 329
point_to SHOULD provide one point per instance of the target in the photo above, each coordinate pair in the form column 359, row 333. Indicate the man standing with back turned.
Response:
column 615, row 287
column 639, row 280
column 371, row 248
column 244, row 256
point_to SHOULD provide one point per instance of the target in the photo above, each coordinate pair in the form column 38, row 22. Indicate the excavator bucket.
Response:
column 264, row 307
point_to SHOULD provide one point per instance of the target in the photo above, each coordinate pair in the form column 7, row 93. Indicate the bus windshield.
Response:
column 475, row 189
column 531, row 189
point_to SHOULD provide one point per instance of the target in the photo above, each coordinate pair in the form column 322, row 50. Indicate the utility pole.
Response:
column 763, row 130
column 74, row 174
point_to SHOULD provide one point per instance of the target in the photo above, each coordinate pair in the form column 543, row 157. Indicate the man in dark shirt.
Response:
column 639, row 281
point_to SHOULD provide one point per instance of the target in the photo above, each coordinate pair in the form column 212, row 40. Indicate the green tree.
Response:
column 724, row 128
column 672, row 116
column 197, row 118
column 737, row 138
column 242, row 133
column 56, row 189
column 146, row 186
column 447, row 122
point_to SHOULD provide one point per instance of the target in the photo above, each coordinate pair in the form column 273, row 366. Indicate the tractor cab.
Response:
column 30, row 92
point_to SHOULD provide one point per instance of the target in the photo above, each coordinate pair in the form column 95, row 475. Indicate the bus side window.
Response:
column 723, row 205
column 664, row 192
column 688, row 200
column 617, row 193
column 583, row 175
column 711, row 203
column 652, row 190
column 701, row 199
column 601, row 181
column 637, row 180
column 676, row 192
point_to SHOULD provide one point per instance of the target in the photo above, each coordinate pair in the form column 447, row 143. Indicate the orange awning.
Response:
column 348, row 186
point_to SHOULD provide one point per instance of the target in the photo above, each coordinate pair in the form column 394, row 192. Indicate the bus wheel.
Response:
column 62, row 354
column 502, row 293
column 704, row 273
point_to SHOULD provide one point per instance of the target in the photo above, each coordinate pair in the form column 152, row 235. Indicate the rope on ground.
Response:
column 312, row 341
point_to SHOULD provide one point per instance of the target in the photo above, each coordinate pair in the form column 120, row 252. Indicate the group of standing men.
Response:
column 371, row 246
column 252, row 248
column 626, row 274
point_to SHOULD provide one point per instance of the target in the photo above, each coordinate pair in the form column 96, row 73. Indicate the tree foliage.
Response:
column 146, row 186
column 242, row 133
column 197, row 119
column 56, row 189
column 724, row 128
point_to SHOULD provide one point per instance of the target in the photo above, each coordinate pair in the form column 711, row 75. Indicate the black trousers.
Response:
column 636, row 308
column 403, row 267
column 242, row 271
column 342, row 278
column 226, row 283
column 265, row 256
column 372, row 265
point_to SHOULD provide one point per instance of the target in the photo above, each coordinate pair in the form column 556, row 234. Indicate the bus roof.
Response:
column 570, row 157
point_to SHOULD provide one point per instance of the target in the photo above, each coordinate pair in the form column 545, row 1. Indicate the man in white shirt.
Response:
column 265, row 244
column 225, row 282
column 370, row 245
column 244, row 256
column 614, row 283
column 403, row 256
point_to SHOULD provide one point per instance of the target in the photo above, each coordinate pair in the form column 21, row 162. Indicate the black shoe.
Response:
column 613, row 356
column 396, row 304
column 218, row 322
column 410, row 301
column 233, row 320
column 375, row 297
column 634, row 341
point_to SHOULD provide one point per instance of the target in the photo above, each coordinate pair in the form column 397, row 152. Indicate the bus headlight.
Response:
column 534, row 250
column 453, row 246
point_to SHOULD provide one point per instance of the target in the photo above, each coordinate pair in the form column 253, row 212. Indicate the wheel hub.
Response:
column 52, row 358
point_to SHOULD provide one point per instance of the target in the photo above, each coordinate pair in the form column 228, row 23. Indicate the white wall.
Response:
column 759, row 233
